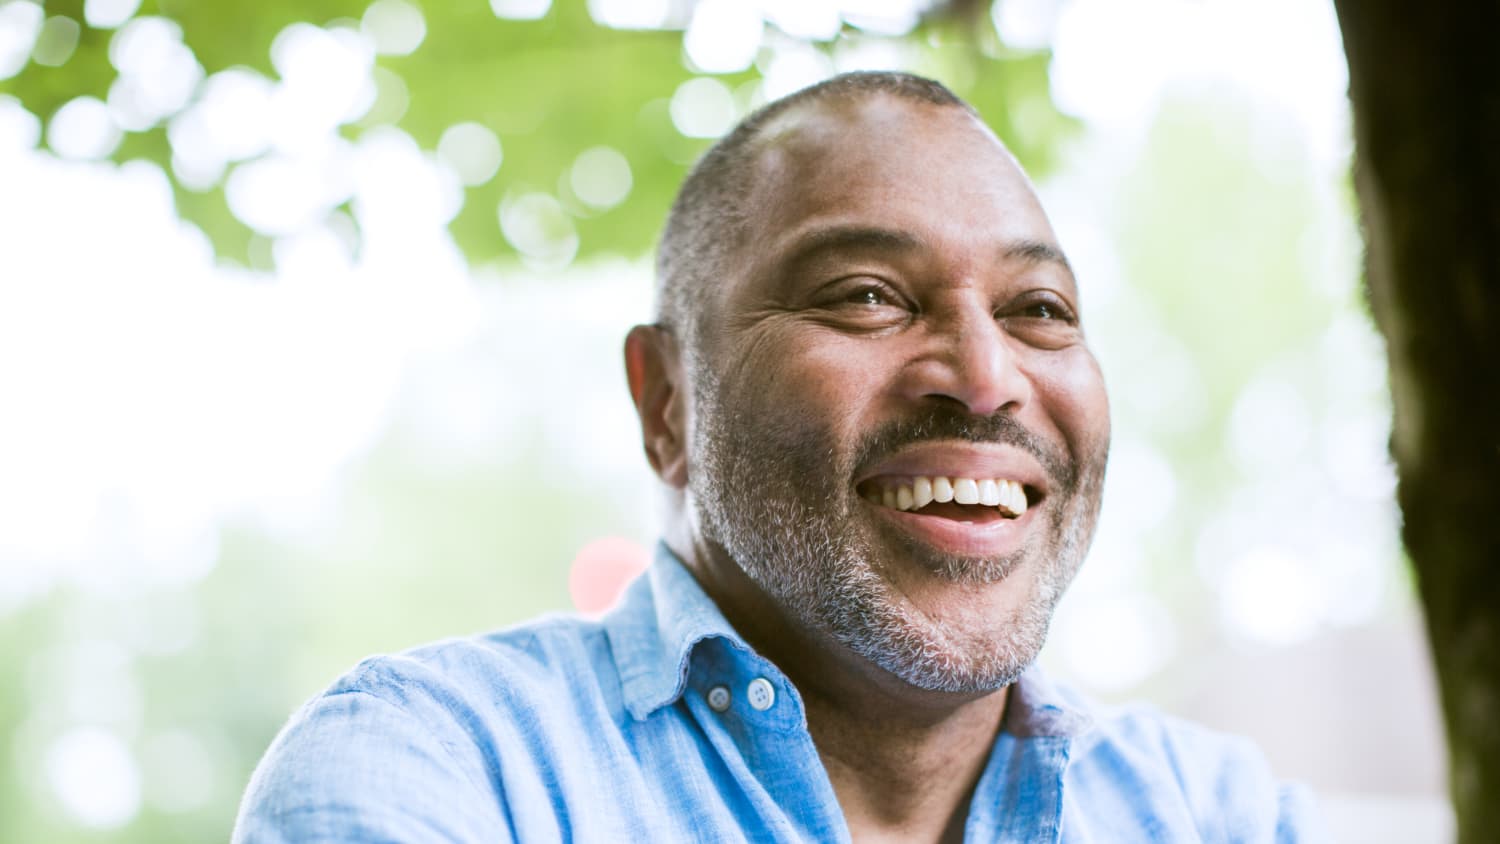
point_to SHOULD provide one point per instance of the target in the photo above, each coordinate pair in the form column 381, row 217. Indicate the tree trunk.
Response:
column 1425, row 85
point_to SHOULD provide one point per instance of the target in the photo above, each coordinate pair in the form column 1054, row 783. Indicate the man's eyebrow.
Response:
column 876, row 238
column 1037, row 252
column 835, row 238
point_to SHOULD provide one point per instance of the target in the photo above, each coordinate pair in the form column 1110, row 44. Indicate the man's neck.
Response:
column 904, row 780
column 903, row 761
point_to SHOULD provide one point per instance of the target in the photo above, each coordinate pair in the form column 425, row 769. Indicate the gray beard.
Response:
column 773, row 492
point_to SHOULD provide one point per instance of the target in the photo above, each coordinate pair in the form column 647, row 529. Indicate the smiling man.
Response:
column 883, row 435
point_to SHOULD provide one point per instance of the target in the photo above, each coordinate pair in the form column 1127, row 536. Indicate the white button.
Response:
column 718, row 698
column 761, row 693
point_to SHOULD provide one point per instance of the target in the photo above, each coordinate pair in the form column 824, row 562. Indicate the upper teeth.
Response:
column 917, row 493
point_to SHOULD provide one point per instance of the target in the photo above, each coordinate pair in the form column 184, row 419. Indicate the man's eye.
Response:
column 861, row 305
column 1043, row 322
column 860, row 294
column 867, row 296
column 1049, row 311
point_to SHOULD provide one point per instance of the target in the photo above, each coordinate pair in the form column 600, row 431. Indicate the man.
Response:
column 883, row 435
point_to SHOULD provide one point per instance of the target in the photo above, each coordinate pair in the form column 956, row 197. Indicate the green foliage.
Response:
column 549, row 88
column 1212, row 243
column 416, row 553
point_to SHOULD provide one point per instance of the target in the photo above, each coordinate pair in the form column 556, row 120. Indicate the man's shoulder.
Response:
column 1223, row 781
column 516, row 666
column 475, row 696
column 1145, row 724
column 1145, row 732
column 408, row 746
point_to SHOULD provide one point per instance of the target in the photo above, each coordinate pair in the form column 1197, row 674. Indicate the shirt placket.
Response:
column 754, row 717
column 1019, row 798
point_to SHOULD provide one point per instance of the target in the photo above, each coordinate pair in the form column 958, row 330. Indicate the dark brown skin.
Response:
column 963, row 299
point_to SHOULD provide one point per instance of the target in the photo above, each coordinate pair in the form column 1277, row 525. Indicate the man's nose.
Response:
column 968, row 358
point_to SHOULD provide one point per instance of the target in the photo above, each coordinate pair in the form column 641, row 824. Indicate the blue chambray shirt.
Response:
column 566, row 729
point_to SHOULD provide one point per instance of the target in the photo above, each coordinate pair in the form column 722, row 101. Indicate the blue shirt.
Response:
column 566, row 729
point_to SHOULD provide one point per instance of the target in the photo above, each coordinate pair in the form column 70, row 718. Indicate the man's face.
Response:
column 899, row 321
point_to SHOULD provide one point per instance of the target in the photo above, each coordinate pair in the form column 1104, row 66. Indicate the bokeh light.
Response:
column 600, row 177
column 230, row 121
column 472, row 150
column 630, row 14
column 1026, row 24
column 601, row 571
column 56, row 41
column 393, row 27
column 538, row 227
column 325, row 82
column 278, row 194
column 109, row 14
column 886, row 17
column 522, row 10
column 19, row 128
column 1117, row 639
column 94, row 777
column 157, row 72
column 348, row 429
column 792, row 66
column 20, row 22
column 703, row 108
column 815, row 21
column 723, row 36
column 84, row 129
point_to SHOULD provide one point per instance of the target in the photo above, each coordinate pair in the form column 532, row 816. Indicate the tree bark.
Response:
column 1425, row 85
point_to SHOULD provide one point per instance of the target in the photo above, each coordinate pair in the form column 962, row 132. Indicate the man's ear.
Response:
column 659, row 390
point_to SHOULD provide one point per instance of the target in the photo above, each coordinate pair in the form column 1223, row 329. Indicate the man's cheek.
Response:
column 1071, row 389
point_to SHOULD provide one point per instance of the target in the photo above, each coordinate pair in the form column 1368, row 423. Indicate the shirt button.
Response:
column 718, row 698
column 761, row 693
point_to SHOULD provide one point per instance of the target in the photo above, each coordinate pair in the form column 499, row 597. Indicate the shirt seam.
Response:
column 448, row 750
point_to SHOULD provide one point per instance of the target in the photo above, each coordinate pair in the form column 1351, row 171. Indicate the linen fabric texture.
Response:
column 567, row 729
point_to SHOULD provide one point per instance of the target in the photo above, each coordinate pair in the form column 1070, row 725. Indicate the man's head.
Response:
column 862, row 303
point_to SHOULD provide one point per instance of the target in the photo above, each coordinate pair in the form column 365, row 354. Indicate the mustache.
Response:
column 946, row 423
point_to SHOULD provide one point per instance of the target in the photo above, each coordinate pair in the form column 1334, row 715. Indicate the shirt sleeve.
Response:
column 353, row 766
column 1298, row 820
column 1247, row 803
column 1176, row 780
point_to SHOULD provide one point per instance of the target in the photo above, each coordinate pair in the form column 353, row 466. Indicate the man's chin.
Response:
column 981, row 668
column 945, row 630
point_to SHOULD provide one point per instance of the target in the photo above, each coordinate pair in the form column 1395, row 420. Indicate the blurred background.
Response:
column 310, row 318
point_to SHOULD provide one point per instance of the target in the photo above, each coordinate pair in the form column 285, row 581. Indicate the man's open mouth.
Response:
column 962, row 499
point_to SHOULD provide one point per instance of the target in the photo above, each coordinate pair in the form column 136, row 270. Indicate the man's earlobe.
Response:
column 657, row 386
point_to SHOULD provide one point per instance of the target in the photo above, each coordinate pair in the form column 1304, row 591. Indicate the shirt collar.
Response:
column 652, row 632
column 1038, row 707
column 665, row 614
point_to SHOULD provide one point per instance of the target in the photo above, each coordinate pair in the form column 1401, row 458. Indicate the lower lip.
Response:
column 968, row 539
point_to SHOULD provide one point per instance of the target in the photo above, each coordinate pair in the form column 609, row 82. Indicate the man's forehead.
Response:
column 896, row 159
column 864, row 124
